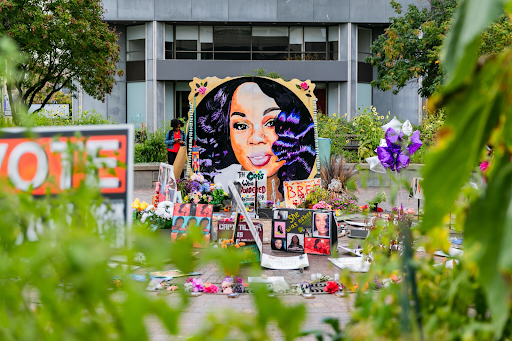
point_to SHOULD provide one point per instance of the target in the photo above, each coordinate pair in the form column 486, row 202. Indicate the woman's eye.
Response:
column 270, row 123
column 240, row 126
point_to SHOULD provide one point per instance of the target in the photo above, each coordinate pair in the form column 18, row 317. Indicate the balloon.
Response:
column 375, row 164
column 394, row 123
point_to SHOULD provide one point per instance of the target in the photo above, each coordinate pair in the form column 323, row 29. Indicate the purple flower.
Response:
column 228, row 279
column 415, row 142
column 197, row 285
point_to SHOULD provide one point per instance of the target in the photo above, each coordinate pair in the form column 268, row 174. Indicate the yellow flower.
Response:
column 387, row 116
column 143, row 206
column 346, row 141
column 136, row 204
column 334, row 114
column 354, row 124
column 373, row 129
column 382, row 117
column 345, row 115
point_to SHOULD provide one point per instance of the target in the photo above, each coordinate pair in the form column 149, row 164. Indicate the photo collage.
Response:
column 303, row 231
column 186, row 216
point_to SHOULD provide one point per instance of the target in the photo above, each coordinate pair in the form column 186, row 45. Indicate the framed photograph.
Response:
column 295, row 242
column 318, row 246
column 278, row 244
column 308, row 232
column 322, row 224
column 280, row 215
column 279, row 229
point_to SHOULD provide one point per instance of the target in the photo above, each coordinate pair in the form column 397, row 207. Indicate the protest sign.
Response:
column 168, row 186
column 294, row 191
column 225, row 231
column 284, row 263
column 241, row 207
column 248, row 180
column 417, row 191
column 40, row 160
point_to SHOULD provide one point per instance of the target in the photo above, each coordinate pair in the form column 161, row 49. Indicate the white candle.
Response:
column 318, row 275
column 313, row 277
column 336, row 277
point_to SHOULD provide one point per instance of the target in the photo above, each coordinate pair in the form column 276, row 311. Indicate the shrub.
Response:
column 89, row 117
column 334, row 128
column 368, row 126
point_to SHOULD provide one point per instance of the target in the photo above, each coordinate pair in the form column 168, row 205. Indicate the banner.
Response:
column 248, row 180
column 284, row 263
column 295, row 191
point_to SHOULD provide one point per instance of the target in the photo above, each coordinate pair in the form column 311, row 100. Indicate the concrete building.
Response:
column 165, row 43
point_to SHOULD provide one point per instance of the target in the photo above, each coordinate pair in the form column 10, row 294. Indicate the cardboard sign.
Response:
column 168, row 186
column 304, row 231
column 248, row 181
column 41, row 161
column 248, row 220
column 417, row 191
column 284, row 263
column 294, row 191
column 225, row 231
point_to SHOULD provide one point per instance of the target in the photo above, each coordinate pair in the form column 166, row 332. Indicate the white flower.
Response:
column 160, row 212
column 218, row 186
column 149, row 208
column 144, row 216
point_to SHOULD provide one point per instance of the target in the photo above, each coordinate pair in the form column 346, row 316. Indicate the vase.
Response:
column 374, row 208
column 216, row 208
column 310, row 206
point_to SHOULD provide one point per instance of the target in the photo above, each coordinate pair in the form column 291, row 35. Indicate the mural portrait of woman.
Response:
column 255, row 124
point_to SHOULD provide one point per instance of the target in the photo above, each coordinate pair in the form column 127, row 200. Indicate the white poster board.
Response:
column 248, row 220
column 284, row 263
column 354, row 264
column 417, row 191
column 168, row 185
column 248, row 180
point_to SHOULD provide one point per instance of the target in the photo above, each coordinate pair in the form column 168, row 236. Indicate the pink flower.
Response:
column 210, row 198
column 172, row 288
column 196, row 201
column 304, row 86
column 197, row 285
column 211, row 289
column 189, row 280
column 201, row 90
column 228, row 290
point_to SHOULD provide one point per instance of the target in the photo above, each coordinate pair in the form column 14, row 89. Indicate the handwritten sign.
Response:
column 248, row 180
column 248, row 220
column 295, row 191
column 284, row 263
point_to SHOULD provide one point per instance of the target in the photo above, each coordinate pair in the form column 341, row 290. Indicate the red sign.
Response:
column 40, row 159
column 225, row 231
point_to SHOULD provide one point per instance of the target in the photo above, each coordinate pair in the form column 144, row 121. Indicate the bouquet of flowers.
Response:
column 345, row 203
column 197, row 190
column 322, row 205
column 157, row 218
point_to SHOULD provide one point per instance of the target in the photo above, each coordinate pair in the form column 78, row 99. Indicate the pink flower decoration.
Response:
column 196, row 201
column 189, row 280
column 201, row 90
column 228, row 290
column 304, row 86
column 172, row 288
column 210, row 198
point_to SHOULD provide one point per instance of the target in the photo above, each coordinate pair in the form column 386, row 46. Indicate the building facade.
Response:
column 165, row 43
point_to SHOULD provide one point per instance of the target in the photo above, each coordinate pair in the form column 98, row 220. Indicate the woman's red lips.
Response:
column 259, row 159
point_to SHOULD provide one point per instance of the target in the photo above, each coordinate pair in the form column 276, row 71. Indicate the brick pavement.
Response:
column 322, row 306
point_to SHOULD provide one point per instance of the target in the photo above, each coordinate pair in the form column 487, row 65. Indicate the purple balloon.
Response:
column 415, row 142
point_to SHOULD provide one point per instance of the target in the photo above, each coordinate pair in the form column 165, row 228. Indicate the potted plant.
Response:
column 315, row 196
column 231, row 266
column 374, row 203
column 218, row 196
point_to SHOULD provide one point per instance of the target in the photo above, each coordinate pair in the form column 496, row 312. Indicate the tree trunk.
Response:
column 14, row 112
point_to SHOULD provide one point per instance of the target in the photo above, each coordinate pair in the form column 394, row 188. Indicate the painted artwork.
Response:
column 295, row 191
column 254, row 124
column 248, row 180
column 318, row 246
column 188, row 216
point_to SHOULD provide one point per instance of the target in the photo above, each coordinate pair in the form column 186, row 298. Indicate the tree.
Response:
column 410, row 47
column 65, row 43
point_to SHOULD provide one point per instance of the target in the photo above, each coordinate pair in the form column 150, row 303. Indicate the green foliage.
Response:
column 218, row 196
column 401, row 55
column 90, row 117
column 316, row 195
column 379, row 197
column 368, row 125
column 334, row 128
column 152, row 147
column 66, row 43
column 261, row 72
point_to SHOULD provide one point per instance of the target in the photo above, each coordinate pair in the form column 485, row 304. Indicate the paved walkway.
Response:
column 324, row 305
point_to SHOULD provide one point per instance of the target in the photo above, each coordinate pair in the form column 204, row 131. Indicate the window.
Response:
column 136, row 43
column 364, row 41
column 186, row 42
column 182, row 104
column 296, row 42
column 169, row 42
column 315, row 44
column 136, row 102
column 333, row 43
column 269, row 42
column 364, row 95
column 206, row 41
column 233, row 39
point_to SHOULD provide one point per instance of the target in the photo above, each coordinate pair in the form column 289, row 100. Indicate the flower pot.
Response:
column 232, row 271
column 374, row 208
column 310, row 206
column 216, row 208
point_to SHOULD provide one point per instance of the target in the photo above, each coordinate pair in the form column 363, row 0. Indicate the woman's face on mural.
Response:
column 321, row 224
column 252, row 118
column 279, row 243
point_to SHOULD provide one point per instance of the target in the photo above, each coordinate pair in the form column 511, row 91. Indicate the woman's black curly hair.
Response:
column 294, row 127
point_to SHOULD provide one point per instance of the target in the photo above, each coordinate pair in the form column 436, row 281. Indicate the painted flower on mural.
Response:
column 201, row 89
column 304, row 86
